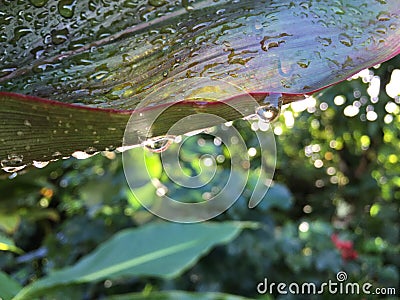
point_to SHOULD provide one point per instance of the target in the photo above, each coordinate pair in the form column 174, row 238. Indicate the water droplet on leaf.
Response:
column 13, row 163
column 383, row 16
column 40, row 164
column 272, row 108
column 159, row 144
column 66, row 8
column 13, row 169
column 38, row 3
column 82, row 155
column 91, row 150
column 57, row 155
column 345, row 40
column 156, row 3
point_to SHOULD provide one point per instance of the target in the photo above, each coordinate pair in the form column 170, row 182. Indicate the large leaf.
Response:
column 173, row 295
column 9, row 287
column 113, row 55
column 7, row 244
column 159, row 249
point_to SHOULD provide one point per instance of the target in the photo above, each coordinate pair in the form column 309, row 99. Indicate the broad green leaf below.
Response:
column 181, row 295
column 160, row 250
column 9, row 287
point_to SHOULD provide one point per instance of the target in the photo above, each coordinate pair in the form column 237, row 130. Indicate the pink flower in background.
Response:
column 345, row 248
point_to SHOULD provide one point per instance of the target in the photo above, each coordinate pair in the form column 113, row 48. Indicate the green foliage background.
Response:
column 52, row 217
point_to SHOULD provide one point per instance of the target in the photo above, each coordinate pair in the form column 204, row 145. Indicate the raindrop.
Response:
column 13, row 163
column 110, row 148
column 66, row 8
column 272, row 108
column 7, row 71
column 125, row 148
column 91, row 151
column 338, row 10
column 157, row 3
column 381, row 29
column 40, row 164
column 324, row 41
column 38, row 3
column 269, row 42
column 57, row 155
column 345, row 40
column 59, row 36
column 303, row 63
column 20, row 31
column 186, row 5
column 12, row 160
column 267, row 46
column 159, row 144
column 82, row 155
column 13, row 169
column 383, row 16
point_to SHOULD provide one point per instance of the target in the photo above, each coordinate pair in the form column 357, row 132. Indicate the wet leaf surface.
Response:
column 115, row 54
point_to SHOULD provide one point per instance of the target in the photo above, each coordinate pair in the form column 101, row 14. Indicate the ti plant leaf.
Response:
column 159, row 250
column 97, row 61
column 181, row 295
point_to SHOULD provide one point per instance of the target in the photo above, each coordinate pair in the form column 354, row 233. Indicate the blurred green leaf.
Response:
column 160, row 249
column 172, row 295
column 8, row 286
column 7, row 244
column 9, row 221
column 278, row 196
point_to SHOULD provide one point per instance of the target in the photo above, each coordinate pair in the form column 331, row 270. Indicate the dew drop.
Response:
column 124, row 148
column 21, row 31
column 38, row 3
column 40, row 164
column 271, row 109
column 7, row 71
column 157, row 3
column 186, row 5
column 158, row 144
column 110, row 148
column 383, row 16
column 56, row 155
column 13, row 169
column 345, row 40
column 381, row 29
column 82, row 154
column 13, row 163
column 66, row 8
column 91, row 151
column 303, row 63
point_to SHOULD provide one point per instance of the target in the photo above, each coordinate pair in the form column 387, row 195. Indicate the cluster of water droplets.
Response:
column 268, row 112
column 13, row 163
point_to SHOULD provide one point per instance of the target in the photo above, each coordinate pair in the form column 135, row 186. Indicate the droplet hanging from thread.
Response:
column 158, row 144
column 271, row 109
